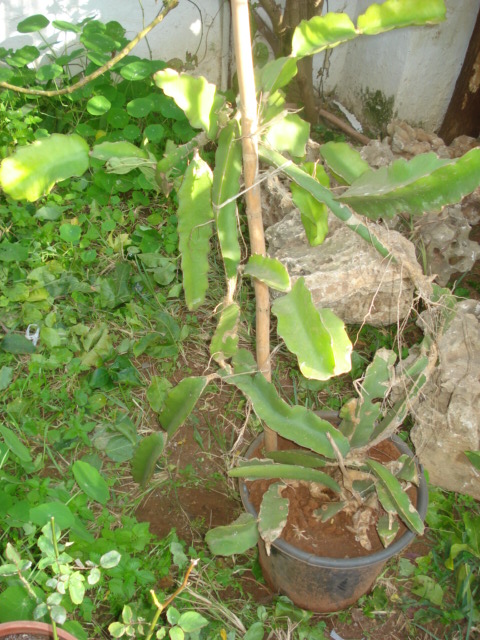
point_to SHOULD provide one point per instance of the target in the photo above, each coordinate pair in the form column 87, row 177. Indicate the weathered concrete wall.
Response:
column 417, row 66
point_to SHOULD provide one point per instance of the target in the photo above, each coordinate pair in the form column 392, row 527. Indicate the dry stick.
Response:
column 326, row 115
column 246, row 82
column 168, row 5
column 161, row 606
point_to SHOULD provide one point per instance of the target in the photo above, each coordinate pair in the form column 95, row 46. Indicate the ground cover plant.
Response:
column 93, row 266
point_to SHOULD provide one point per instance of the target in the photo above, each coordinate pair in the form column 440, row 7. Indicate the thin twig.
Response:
column 346, row 128
column 161, row 606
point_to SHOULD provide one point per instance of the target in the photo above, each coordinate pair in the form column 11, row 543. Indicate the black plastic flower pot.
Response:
column 324, row 584
column 29, row 629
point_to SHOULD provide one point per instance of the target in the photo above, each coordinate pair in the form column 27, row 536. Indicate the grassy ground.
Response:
column 92, row 273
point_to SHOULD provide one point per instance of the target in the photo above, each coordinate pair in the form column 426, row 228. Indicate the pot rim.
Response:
column 345, row 563
column 33, row 627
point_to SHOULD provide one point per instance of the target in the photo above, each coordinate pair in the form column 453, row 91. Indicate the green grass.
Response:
column 94, row 267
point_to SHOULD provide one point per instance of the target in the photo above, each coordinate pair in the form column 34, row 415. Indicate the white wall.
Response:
column 204, row 30
column 418, row 66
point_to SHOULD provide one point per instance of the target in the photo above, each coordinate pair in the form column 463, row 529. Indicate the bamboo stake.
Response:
column 248, row 105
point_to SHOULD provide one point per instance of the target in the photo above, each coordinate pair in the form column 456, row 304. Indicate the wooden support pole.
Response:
column 248, row 106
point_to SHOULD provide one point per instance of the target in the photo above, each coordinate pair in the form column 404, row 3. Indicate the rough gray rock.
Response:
column 447, row 420
column 345, row 273
column 445, row 238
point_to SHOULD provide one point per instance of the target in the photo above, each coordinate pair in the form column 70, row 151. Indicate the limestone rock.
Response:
column 445, row 238
column 378, row 154
column 345, row 273
column 447, row 420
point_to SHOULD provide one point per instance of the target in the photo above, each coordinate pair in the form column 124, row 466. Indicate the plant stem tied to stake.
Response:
column 246, row 82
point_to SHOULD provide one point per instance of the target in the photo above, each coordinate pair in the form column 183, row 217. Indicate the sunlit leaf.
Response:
column 32, row 170
column 98, row 105
column 225, row 339
column 424, row 183
column 393, row 14
column 318, row 33
column 226, row 180
column 316, row 336
column 314, row 214
column 33, row 23
column 344, row 161
column 277, row 73
column 195, row 217
column 268, row 270
column 288, row 133
column 194, row 95
column 76, row 587
column 110, row 559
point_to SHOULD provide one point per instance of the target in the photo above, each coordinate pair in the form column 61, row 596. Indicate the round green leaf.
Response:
column 23, row 56
column 176, row 633
column 91, row 482
column 6, row 74
column 43, row 513
column 117, row 118
column 49, row 72
column 139, row 107
column 98, row 105
column 70, row 233
column 98, row 58
column 138, row 70
column 62, row 25
column 191, row 621
column 131, row 132
column 76, row 587
column 33, row 23
column 98, row 42
column 154, row 132
column 110, row 559
column 16, row 604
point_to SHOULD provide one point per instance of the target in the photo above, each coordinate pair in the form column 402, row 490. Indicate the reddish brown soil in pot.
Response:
column 334, row 538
